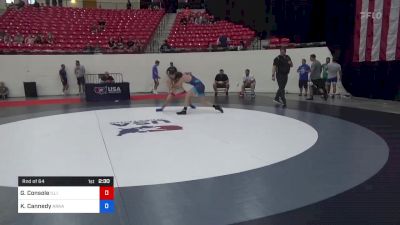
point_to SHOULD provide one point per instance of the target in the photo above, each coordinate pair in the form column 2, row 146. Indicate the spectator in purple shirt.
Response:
column 155, row 76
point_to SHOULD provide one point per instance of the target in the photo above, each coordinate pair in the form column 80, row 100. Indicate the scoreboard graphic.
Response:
column 66, row 195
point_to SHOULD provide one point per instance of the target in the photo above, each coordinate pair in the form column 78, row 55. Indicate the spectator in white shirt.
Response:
column 334, row 75
column 80, row 76
column 248, row 82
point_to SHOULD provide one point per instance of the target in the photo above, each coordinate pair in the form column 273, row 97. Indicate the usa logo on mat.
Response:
column 144, row 126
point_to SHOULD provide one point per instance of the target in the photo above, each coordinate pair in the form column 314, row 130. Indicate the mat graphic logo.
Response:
column 107, row 90
column 100, row 90
column 114, row 90
column 144, row 126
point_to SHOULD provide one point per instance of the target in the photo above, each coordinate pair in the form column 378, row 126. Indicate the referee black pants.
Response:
column 282, row 81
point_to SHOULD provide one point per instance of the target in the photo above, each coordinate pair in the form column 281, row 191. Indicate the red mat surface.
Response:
column 32, row 102
column 63, row 101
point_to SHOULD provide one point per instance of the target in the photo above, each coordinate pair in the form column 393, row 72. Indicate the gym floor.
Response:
column 314, row 163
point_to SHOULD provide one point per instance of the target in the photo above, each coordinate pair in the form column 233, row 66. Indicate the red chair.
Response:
column 285, row 41
column 274, row 41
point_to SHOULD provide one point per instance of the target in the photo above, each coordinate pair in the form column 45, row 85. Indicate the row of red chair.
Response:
column 72, row 28
column 201, row 36
column 76, row 32
column 66, row 49
column 211, row 34
column 71, row 34
column 277, row 41
column 197, row 44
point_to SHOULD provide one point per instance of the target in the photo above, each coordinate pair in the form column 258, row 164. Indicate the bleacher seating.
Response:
column 201, row 36
column 72, row 27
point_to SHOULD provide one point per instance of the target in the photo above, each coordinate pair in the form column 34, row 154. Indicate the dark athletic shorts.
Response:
column 81, row 80
column 318, row 83
column 303, row 84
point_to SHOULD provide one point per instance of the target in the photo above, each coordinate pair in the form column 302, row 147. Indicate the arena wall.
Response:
column 136, row 68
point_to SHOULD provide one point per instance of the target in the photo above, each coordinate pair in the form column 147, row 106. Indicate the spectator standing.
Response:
column 129, row 5
column 80, row 76
column 325, row 70
column 334, row 75
column 155, row 76
column 3, row 91
column 315, row 77
column 280, row 72
column 64, row 79
column 303, row 71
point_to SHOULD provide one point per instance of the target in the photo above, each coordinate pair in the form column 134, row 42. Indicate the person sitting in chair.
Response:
column 101, row 25
column 248, row 82
column 223, row 41
column 221, row 81
column 165, row 47
column 3, row 91
column 106, row 78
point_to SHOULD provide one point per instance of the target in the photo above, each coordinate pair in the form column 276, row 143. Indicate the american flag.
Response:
column 377, row 31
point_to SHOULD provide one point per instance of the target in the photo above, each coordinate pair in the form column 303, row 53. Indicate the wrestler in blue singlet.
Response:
column 198, row 86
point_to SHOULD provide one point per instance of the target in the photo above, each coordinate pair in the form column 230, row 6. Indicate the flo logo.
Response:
column 374, row 15
column 144, row 126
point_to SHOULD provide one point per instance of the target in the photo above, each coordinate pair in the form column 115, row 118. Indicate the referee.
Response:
column 171, row 69
column 280, row 72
